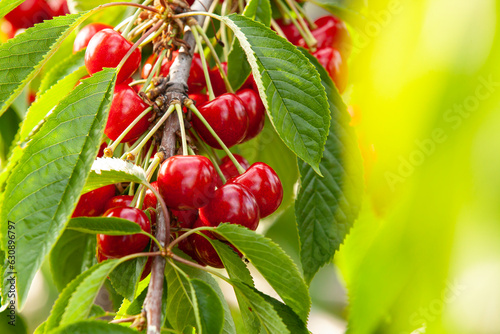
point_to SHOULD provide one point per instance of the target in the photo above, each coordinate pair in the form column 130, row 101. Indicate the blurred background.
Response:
column 424, row 255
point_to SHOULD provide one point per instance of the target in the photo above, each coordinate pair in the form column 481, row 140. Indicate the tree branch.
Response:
column 176, row 90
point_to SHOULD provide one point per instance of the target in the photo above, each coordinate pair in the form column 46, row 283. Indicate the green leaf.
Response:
column 8, row 5
column 259, row 10
column 209, row 307
column 270, row 260
column 136, row 306
column 23, row 56
column 83, row 5
column 113, row 170
column 236, row 269
column 9, row 123
column 63, row 69
column 269, row 318
column 289, row 87
column 326, row 207
column 73, row 253
column 94, row 327
column 104, row 225
column 125, row 278
column 42, row 191
column 96, row 311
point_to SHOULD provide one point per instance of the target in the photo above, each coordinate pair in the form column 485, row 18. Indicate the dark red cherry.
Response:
column 103, row 146
column 121, row 245
column 218, row 84
column 185, row 218
column 125, row 108
column 332, row 61
column 100, row 256
column 150, row 200
column 233, row 203
column 196, row 81
column 290, row 30
column 83, row 37
column 255, row 110
column 331, row 32
column 229, row 170
column 203, row 248
column 29, row 13
column 92, row 204
column 187, row 182
column 250, row 84
column 186, row 246
column 121, row 201
column 147, row 268
column 227, row 116
column 107, row 49
column 264, row 184
column 199, row 98
column 59, row 7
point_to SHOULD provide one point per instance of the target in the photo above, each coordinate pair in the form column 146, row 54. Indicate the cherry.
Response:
column 250, row 84
column 203, row 248
column 290, row 30
column 196, row 81
column 185, row 218
column 255, row 111
column 83, row 37
column 265, row 185
column 218, row 84
column 91, row 204
column 187, row 247
column 121, row 201
column 147, row 268
column 229, row 170
column 125, row 108
column 332, row 61
column 106, row 49
column 100, row 256
column 227, row 116
column 187, row 182
column 122, row 245
column 29, row 13
column 199, row 98
column 103, row 146
column 150, row 200
column 233, row 203
column 59, row 7
column 331, row 32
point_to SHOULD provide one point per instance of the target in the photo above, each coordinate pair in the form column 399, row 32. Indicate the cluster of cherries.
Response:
column 332, row 49
column 188, row 184
column 31, row 12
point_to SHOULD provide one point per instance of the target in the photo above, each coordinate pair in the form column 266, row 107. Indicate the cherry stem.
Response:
column 210, row 10
column 187, row 234
column 277, row 28
column 212, row 156
column 164, row 210
column 223, row 32
column 229, row 88
column 159, row 30
column 210, row 90
column 154, row 70
column 137, row 149
column 197, row 266
column 301, row 25
column 140, row 28
column 180, row 115
column 129, row 127
column 123, row 23
column 193, row 108
column 137, row 82
column 131, row 4
column 303, row 13
column 188, row 14
column 138, row 199
column 155, row 241
column 120, row 321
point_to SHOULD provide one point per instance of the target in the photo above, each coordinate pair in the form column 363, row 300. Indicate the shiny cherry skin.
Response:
column 233, row 203
column 218, row 84
column 185, row 218
column 100, row 256
column 122, row 245
column 147, row 268
column 29, row 13
column 187, row 182
column 150, row 200
column 250, row 84
column 107, row 49
column 255, row 110
column 229, row 170
column 331, row 32
column 121, row 201
column 196, row 81
column 187, row 247
column 92, row 204
column 59, row 7
column 125, row 108
column 85, row 35
column 290, row 30
column 332, row 61
column 227, row 115
column 199, row 98
column 264, row 184
column 204, row 250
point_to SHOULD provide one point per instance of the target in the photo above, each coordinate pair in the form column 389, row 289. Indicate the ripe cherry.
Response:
column 331, row 32
column 199, row 98
column 107, row 49
column 185, row 218
column 229, row 170
column 196, row 81
column 227, row 116
column 264, row 184
column 122, row 245
column 187, row 247
column 59, row 7
column 290, row 30
column 150, row 200
column 233, row 203
column 255, row 110
column 332, row 61
column 83, row 37
column 187, row 182
column 218, row 84
column 29, row 13
column 91, row 204
column 125, row 108
column 121, row 201
column 203, row 248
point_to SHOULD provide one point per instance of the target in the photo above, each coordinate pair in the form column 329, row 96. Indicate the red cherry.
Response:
column 229, row 170
column 203, row 248
column 185, row 218
column 100, row 256
column 265, row 186
column 332, row 61
column 107, row 49
column 218, row 84
column 29, row 13
column 121, row 201
column 83, row 37
column 199, row 98
column 227, row 116
column 147, row 268
column 255, row 110
column 125, row 108
column 196, row 81
column 186, row 246
column 59, row 7
column 187, row 182
column 331, row 32
column 150, row 200
column 91, row 204
column 234, row 204
column 103, row 146
column 250, row 84
column 290, row 30
column 121, row 245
